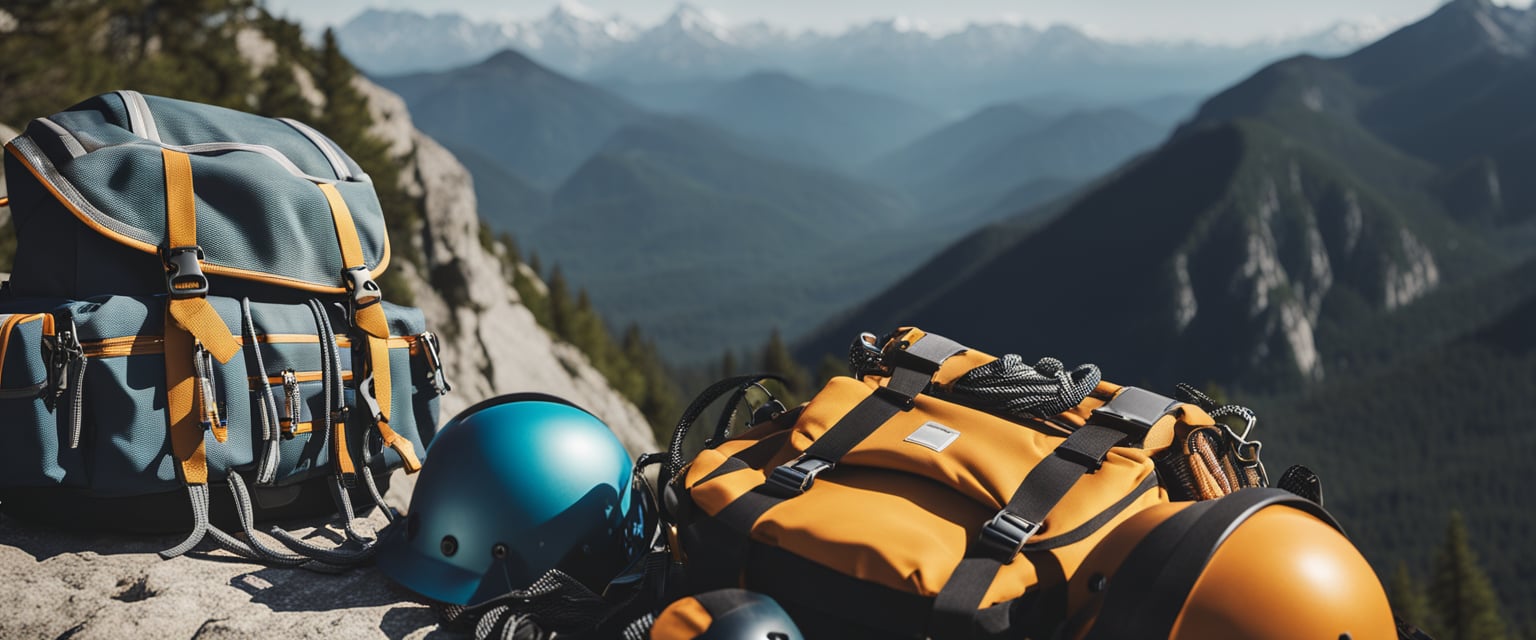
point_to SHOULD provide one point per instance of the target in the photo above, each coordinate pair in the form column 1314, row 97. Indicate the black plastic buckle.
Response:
column 360, row 282
column 794, row 478
column 1133, row 412
column 184, row 272
column 901, row 400
column 1006, row 534
column 897, row 355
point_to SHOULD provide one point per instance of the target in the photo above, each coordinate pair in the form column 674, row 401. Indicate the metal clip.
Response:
column 184, row 272
column 1006, row 534
column 208, row 399
column 435, row 373
column 365, row 391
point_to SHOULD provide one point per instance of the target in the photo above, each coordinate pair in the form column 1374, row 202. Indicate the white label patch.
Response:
column 933, row 435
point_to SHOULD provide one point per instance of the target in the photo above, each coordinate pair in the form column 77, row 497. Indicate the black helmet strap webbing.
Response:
column 1149, row 589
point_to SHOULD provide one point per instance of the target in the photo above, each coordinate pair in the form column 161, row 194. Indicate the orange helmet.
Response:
column 1257, row 564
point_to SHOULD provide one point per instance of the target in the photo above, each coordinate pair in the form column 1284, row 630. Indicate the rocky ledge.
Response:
column 87, row 586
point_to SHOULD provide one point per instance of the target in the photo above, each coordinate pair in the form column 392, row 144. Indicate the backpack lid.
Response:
column 261, row 214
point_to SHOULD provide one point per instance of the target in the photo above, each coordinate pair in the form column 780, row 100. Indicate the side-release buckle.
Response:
column 1004, row 536
column 1133, row 412
column 794, row 478
column 184, row 272
column 360, row 282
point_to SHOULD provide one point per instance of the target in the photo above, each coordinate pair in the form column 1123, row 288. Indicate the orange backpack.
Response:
column 906, row 502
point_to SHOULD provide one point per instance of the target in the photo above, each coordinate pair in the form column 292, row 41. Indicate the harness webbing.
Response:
column 368, row 315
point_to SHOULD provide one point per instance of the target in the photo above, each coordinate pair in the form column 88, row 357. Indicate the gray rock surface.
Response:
column 88, row 586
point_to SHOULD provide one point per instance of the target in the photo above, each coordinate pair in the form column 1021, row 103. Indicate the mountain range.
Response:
column 953, row 72
column 1346, row 242
column 762, row 189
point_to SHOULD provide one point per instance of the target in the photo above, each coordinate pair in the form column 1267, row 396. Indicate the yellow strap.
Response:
column 369, row 315
column 378, row 355
column 180, row 400
column 193, row 314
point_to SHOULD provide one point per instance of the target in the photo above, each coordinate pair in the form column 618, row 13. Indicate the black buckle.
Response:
column 794, row 478
column 901, row 400
column 1004, row 536
column 184, row 272
column 1133, row 412
column 364, row 290
column 897, row 355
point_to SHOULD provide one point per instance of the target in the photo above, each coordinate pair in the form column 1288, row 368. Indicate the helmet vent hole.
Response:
column 499, row 551
column 1097, row 583
column 1345, row 636
column 449, row 545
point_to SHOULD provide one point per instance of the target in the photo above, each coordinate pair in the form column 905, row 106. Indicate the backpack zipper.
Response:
column 293, row 403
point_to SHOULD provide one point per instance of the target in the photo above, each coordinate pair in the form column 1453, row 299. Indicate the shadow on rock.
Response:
column 293, row 589
column 43, row 542
column 404, row 621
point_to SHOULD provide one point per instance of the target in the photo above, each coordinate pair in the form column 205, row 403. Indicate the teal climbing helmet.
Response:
column 519, row 486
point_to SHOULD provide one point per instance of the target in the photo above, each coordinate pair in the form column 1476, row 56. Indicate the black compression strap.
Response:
column 726, row 553
column 904, row 385
column 1149, row 589
column 954, row 610
column 1097, row 522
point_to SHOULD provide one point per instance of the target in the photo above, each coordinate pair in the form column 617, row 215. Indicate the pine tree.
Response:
column 561, row 309
column 831, row 367
column 278, row 94
column 1462, row 592
column 777, row 359
column 728, row 366
column 1409, row 599
column 345, row 118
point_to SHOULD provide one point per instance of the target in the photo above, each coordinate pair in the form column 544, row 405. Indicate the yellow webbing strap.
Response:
column 181, row 388
column 368, row 315
column 193, row 313
column 187, row 321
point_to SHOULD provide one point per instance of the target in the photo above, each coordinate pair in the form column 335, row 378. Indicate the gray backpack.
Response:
column 194, row 303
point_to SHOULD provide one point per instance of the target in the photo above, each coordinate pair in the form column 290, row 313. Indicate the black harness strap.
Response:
column 1125, row 418
column 722, row 556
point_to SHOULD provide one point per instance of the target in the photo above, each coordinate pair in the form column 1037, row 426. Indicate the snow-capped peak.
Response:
column 573, row 10
column 690, row 19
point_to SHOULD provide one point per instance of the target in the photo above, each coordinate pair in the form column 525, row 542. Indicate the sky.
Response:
column 1226, row 21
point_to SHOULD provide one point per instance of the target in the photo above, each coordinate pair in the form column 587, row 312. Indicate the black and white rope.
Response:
column 1007, row 385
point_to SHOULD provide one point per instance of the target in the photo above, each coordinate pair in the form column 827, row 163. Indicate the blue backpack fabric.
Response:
column 194, row 304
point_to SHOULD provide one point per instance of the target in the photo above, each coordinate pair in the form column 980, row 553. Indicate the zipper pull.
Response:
column 289, row 420
column 208, row 398
column 435, row 373
column 66, row 373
